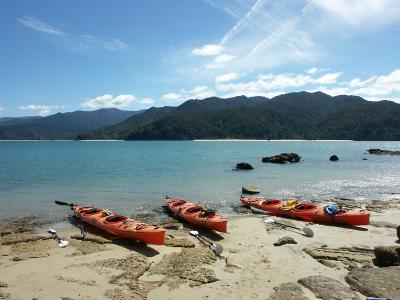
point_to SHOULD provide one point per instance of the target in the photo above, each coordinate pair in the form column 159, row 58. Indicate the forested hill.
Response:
column 300, row 115
column 60, row 125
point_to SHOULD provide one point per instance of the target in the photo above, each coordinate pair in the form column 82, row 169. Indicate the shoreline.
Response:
column 251, row 267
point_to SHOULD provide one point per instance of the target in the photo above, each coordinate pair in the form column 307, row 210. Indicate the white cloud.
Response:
column 372, row 13
column 224, row 58
column 208, row 50
column 78, row 41
column 36, row 24
column 2, row 108
column 328, row 78
column 172, row 97
column 314, row 70
column 108, row 100
column 379, row 86
column 198, row 92
column 42, row 109
column 227, row 77
column 146, row 101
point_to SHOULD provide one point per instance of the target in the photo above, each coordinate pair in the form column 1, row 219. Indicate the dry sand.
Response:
column 249, row 269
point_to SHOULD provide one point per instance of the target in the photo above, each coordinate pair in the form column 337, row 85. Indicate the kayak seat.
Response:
column 116, row 218
column 209, row 212
column 178, row 202
column 270, row 202
column 92, row 211
column 194, row 209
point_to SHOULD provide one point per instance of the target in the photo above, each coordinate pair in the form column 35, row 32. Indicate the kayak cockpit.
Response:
column 115, row 218
column 271, row 202
column 305, row 207
column 178, row 202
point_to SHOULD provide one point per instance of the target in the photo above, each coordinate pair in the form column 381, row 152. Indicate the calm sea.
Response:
column 130, row 176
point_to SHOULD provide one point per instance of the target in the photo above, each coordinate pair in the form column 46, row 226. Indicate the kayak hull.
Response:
column 194, row 214
column 308, row 212
column 120, row 226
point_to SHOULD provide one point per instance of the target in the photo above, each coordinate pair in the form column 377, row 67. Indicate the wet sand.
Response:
column 249, row 268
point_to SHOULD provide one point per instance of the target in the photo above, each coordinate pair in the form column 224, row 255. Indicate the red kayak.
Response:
column 308, row 212
column 120, row 226
column 196, row 214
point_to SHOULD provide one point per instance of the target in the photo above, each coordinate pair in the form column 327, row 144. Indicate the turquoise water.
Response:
column 129, row 176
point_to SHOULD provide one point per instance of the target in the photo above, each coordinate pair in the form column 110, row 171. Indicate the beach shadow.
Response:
column 132, row 245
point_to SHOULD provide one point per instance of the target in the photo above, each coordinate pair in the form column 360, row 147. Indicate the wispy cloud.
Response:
column 42, row 109
column 108, row 100
column 146, row 101
column 79, row 41
column 208, row 50
column 2, row 108
column 36, row 24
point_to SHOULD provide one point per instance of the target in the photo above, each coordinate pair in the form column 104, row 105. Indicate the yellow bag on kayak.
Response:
column 289, row 204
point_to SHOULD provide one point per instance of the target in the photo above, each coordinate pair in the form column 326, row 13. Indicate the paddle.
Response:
column 61, row 243
column 64, row 203
column 217, row 248
column 307, row 231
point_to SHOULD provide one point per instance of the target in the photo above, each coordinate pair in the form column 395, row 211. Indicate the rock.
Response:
column 334, row 158
column 365, row 158
column 230, row 266
column 383, row 152
column 92, row 238
column 378, row 205
column 398, row 232
column 349, row 257
column 3, row 284
column 288, row 291
column 382, row 224
column 387, row 256
column 179, row 242
column 244, row 166
column 282, row 158
column 174, row 226
column 285, row 240
column 376, row 282
column 22, row 238
column 250, row 189
column 327, row 288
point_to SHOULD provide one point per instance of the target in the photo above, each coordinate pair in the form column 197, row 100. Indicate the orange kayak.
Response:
column 120, row 226
column 308, row 212
column 196, row 214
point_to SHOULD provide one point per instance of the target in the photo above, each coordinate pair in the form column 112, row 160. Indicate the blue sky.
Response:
column 70, row 55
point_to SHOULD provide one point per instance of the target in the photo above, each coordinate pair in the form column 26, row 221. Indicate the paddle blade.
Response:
column 218, row 249
column 308, row 232
column 62, row 244
column 62, row 203
column 194, row 232
column 270, row 221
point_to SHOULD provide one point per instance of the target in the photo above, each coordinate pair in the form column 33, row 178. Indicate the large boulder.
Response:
column 376, row 282
column 334, row 158
column 383, row 152
column 250, row 189
column 386, row 256
column 328, row 289
column 282, row 158
column 244, row 166
column 288, row 291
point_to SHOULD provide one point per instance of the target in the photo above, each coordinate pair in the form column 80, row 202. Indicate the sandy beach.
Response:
column 251, row 267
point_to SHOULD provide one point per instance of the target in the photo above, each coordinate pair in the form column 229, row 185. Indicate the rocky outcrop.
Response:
column 386, row 256
column 328, row 289
column 244, row 166
column 383, row 152
column 376, row 282
column 288, row 291
column 285, row 240
column 250, row 189
column 334, row 158
column 348, row 258
column 282, row 158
